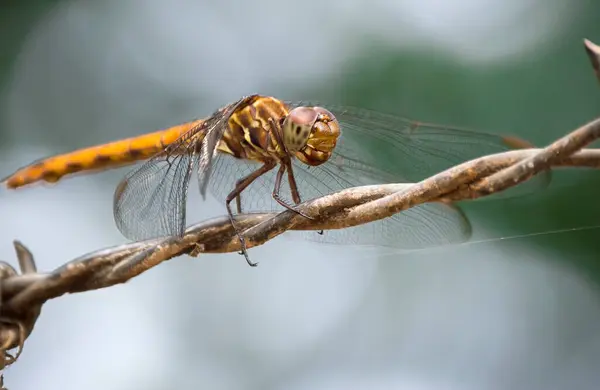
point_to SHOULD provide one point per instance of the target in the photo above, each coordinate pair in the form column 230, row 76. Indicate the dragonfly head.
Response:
column 311, row 134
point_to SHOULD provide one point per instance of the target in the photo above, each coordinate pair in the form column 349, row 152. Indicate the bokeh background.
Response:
column 510, row 314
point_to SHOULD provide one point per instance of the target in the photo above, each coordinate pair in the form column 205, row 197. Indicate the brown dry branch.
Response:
column 22, row 295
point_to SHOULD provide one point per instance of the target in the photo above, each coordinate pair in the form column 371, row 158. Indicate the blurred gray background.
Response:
column 511, row 314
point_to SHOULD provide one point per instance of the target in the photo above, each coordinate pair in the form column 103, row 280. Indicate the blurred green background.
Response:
column 76, row 73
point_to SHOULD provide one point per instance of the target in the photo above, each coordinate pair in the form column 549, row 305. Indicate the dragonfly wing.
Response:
column 150, row 201
column 423, row 226
column 410, row 151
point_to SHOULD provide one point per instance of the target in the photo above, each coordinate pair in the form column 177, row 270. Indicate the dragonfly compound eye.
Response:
column 312, row 133
column 297, row 127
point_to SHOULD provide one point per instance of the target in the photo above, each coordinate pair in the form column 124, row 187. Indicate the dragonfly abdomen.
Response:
column 112, row 155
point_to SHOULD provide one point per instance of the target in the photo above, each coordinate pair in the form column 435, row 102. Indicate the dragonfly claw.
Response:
column 245, row 254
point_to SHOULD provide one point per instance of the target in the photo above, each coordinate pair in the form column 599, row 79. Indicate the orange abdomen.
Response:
column 111, row 155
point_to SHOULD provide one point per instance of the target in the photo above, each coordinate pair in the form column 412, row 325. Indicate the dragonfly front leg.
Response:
column 238, row 198
column 241, row 185
column 293, row 189
column 293, row 185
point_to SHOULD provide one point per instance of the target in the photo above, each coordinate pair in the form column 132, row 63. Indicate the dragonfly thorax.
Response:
column 311, row 134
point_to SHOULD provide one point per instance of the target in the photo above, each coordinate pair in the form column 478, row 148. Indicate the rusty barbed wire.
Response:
column 23, row 294
column 16, row 326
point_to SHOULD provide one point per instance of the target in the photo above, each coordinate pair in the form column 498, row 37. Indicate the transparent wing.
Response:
column 423, row 226
column 150, row 201
column 411, row 151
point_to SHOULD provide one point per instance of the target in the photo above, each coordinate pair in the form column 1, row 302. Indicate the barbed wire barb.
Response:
column 593, row 52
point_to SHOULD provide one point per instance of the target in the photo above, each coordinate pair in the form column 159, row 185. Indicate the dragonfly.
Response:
column 249, row 150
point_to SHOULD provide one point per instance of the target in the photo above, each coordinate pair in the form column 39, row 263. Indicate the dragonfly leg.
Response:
column 293, row 185
column 241, row 186
column 293, row 189
column 238, row 200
